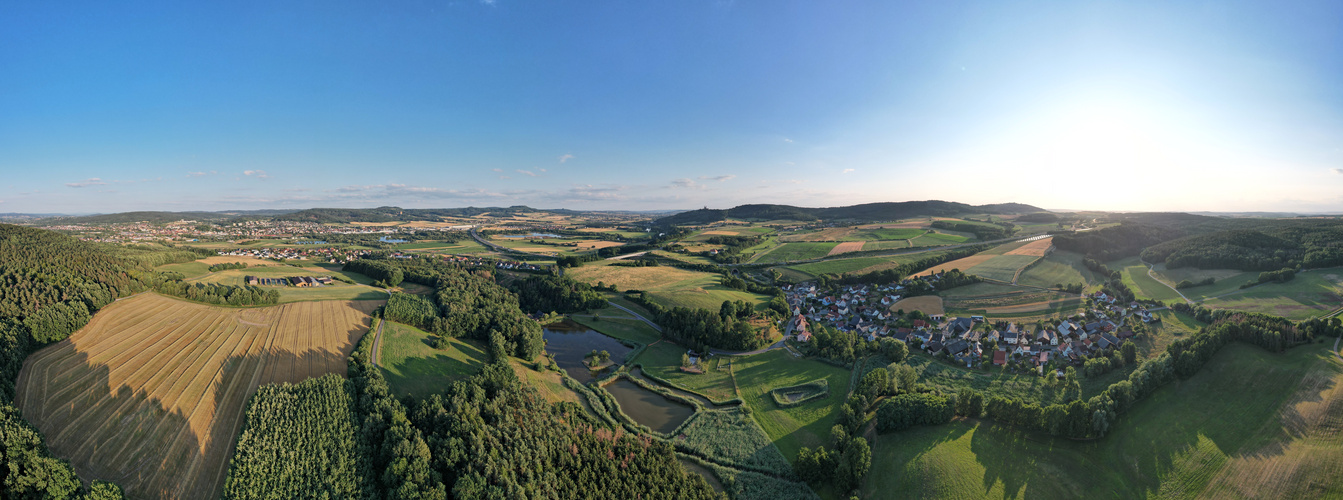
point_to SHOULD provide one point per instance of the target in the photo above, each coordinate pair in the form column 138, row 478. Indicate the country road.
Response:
column 376, row 351
column 637, row 315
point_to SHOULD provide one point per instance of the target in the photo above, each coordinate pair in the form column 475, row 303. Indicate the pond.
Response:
column 647, row 407
column 533, row 235
column 386, row 239
column 569, row 342
column 703, row 471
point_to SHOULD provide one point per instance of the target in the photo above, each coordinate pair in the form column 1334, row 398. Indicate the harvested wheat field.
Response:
column 848, row 246
column 585, row 245
column 962, row 264
column 150, row 394
column 927, row 304
column 1038, row 248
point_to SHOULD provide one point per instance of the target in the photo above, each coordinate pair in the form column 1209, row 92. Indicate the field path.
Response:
column 1152, row 275
column 377, row 344
column 636, row 315
column 1336, row 347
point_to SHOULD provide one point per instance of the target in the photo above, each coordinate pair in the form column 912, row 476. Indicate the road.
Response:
column 1336, row 347
column 502, row 249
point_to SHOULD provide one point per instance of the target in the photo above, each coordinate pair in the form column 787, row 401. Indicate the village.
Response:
column 971, row 342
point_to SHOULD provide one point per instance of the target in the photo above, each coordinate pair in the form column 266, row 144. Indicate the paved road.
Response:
column 502, row 249
column 627, row 256
column 1152, row 275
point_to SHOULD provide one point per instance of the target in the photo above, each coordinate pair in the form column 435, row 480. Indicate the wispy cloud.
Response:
column 260, row 174
column 202, row 173
column 1338, row 171
column 541, row 169
column 685, row 183
column 93, row 181
column 787, row 140
column 566, row 157
column 527, row 173
column 719, row 178
column 847, row 170
column 500, row 170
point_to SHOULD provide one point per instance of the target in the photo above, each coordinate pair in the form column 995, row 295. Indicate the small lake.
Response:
column 386, row 239
column 647, row 407
column 570, row 342
column 705, row 472
column 533, row 235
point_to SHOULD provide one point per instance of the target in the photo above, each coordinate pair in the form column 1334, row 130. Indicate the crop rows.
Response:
column 150, row 394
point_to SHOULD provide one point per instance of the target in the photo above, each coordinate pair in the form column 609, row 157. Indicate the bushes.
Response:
column 227, row 266
column 908, row 410
column 783, row 396
column 412, row 310
column 214, row 293
column 732, row 437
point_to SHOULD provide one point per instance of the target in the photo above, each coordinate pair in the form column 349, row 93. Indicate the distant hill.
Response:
column 150, row 217
column 395, row 214
column 867, row 211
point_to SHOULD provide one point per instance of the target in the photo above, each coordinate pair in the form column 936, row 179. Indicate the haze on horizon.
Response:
column 1230, row 106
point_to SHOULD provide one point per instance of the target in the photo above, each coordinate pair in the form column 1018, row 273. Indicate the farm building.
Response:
column 302, row 281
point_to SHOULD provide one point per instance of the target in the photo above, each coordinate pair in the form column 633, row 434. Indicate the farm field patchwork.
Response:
column 150, row 393
column 934, row 239
column 961, row 264
column 885, row 245
column 414, row 368
column 669, row 286
column 1204, row 437
column 846, row 247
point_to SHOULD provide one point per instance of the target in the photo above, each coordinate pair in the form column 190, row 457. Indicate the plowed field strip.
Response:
column 225, row 421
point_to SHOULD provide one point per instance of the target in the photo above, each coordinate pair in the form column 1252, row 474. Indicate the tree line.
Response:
column 227, row 265
column 994, row 231
column 701, row 328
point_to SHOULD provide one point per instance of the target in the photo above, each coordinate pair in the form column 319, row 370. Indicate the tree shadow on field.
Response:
column 150, row 446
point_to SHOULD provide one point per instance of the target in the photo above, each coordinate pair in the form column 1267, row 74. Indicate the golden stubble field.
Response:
column 151, row 393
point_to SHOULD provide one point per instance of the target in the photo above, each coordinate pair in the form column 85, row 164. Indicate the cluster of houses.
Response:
column 865, row 310
column 510, row 265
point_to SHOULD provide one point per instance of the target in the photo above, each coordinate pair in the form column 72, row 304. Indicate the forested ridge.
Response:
column 50, row 284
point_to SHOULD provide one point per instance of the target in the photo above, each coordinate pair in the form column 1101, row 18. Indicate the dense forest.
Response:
column 52, row 283
column 702, row 329
column 549, row 293
column 468, row 303
column 982, row 231
column 1274, row 245
column 1116, row 242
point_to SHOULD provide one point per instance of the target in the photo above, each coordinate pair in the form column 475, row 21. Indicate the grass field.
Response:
column 668, row 286
column 838, row 266
column 1311, row 294
column 150, row 393
column 1001, row 267
column 1058, row 268
column 807, row 424
column 663, row 360
column 1134, row 274
column 1249, row 425
column 789, row 252
column 1172, row 326
column 414, row 368
column 949, row 377
column 934, row 239
column 1228, row 280
column 335, row 291
column 885, row 245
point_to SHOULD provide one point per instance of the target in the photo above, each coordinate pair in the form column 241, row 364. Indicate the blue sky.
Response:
column 108, row 106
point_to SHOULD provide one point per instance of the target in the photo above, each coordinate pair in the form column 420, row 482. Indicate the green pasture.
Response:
column 1310, row 294
column 1002, row 267
column 1057, row 268
column 788, row 252
column 1201, row 437
column 807, row 424
column 414, row 368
